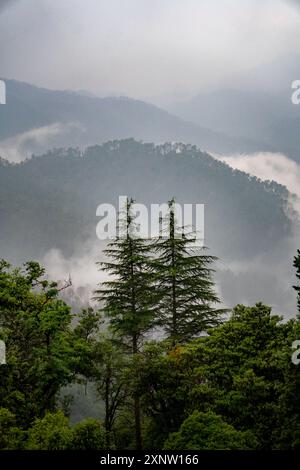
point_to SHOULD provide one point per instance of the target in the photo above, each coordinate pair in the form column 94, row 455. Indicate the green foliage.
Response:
column 244, row 361
column 111, row 381
column 86, row 334
column 234, row 388
column 88, row 435
column 50, row 433
column 36, row 327
column 124, row 430
column 242, row 371
column 7, row 421
column 11, row 437
column 164, row 383
column 208, row 431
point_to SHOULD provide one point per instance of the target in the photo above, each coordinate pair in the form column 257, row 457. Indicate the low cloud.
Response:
column 270, row 166
column 38, row 140
column 81, row 268
column 269, row 277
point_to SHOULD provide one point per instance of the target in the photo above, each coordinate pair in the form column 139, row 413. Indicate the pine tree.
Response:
column 128, row 297
column 184, row 284
column 297, row 266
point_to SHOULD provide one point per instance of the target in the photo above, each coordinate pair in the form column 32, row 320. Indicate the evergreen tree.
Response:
column 128, row 297
column 297, row 266
column 184, row 284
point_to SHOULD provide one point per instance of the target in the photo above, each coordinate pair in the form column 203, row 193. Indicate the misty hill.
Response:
column 50, row 201
column 264, row 116
column 285, row 134
column 80, row 120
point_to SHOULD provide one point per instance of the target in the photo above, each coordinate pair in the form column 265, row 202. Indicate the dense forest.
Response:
column 171, row 368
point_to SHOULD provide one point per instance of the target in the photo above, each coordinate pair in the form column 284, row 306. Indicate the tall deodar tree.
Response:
column 128, row 295
column 187, row 304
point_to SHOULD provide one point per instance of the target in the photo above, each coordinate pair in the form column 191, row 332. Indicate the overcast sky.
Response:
column 144, row 48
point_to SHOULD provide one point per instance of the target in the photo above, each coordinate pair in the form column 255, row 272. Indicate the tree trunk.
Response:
column 107, row 413
column 137, row 406
column 174, row 299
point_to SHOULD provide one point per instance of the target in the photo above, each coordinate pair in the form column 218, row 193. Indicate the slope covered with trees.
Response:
column 50, row 201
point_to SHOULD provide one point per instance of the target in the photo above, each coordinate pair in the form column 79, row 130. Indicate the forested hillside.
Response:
column 50, row 201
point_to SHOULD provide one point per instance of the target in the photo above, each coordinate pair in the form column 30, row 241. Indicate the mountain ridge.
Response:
column 100, row 119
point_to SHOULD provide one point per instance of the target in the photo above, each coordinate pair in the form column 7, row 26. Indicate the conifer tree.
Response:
column 128, row 296
column 184, row 284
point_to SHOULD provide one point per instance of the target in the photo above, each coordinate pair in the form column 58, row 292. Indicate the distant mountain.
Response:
column 81, row 120
column 262, row 116
column 285, row 135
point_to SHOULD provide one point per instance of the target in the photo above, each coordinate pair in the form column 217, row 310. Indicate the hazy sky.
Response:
column 144, row 48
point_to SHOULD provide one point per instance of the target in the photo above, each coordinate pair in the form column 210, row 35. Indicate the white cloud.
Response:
column 270, row 166
column 22, row 146
column 81, row 267
column 268, row 277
